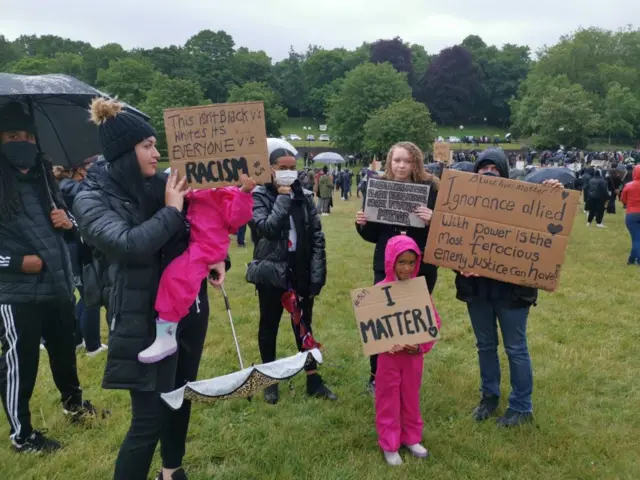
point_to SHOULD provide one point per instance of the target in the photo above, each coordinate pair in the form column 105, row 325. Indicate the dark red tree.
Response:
column 395, row 52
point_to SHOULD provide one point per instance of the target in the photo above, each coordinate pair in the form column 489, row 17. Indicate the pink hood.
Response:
column 396, row 246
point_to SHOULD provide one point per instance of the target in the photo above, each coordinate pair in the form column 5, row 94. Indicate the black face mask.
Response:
column 22, row 155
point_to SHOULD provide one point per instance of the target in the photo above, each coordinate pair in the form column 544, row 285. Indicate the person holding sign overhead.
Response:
column 492, row 302
column 399, row 375
column 404, row 164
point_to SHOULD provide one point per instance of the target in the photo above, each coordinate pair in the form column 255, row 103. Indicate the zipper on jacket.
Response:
column 113, row 322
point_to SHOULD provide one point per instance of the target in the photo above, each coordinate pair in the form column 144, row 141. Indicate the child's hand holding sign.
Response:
column 248, row 184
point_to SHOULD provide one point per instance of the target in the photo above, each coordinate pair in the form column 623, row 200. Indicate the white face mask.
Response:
column 285, row 178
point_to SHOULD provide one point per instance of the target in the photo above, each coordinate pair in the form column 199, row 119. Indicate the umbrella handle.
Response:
column 233, row 330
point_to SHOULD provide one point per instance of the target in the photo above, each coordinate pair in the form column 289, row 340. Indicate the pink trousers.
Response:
column 398, row 418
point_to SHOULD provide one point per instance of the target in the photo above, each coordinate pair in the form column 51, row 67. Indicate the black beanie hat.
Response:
column 118, row 130
column 13, row 118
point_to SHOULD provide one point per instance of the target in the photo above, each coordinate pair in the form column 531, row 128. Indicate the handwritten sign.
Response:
column 503, row 229
column 213, row 145
column 442, row 152
column 399, row 313
column 395, row 202
column 598, row 163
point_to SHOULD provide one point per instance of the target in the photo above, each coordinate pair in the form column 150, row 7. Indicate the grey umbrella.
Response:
column 59, row 105
column 330, row 158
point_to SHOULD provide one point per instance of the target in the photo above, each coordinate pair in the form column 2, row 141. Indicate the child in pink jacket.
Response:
column 399, row 375
column 213, row 214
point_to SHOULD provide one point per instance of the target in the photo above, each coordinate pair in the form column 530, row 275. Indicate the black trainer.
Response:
column 36, row 442
column 317, row 388
column 511, row 418
column 179, row 474
column 271, row 394
column 84, row 411
column 486, row 408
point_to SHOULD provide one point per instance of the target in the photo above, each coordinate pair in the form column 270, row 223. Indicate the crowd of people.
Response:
column 145, row 247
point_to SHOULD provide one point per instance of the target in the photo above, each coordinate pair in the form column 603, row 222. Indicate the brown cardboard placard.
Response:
column 399, row 313
column 213, row 145
column 394, row 202
column 442, row 152
column 503, row 229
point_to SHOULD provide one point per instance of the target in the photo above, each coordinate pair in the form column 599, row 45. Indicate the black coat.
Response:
column 598, row 189
column 30, row 232
column 271, row 216
column 381, row 233
column 136, row 249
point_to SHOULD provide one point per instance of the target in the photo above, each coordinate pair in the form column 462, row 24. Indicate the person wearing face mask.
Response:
column 404, row 164
column 289, row 258
column 36, row 282
column 491, row 303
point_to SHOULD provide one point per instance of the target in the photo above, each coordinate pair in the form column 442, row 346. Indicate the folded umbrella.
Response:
column 59, row 105
column 563, row 175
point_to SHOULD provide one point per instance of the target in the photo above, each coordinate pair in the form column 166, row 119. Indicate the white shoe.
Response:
column 418, row 450
column 100, row 349
column 80, row 346
column 325, row 214
column 392, row 458
column 601, row 226
column 42, row 347
column 164, row 345
column 588, row 224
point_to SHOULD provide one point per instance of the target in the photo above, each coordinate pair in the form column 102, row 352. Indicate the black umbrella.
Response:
column 564, row 175
column 59, row 105
column 463, row 166
column 434, row 169
column 516, row 173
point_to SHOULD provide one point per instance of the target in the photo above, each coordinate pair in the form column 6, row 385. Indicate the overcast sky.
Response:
column 274, row 25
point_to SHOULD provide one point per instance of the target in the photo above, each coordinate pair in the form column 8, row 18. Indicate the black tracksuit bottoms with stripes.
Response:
column 21, row 327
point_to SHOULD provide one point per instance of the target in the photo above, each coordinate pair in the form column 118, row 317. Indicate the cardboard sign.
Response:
column 399, row 313
column 213, row 145
column 442, row 152
column 503, row 229
column 520, row 164
column 575, row 167
column 598, row 163
column 394, row 202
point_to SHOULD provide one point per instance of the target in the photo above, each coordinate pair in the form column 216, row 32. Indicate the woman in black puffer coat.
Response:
column 289, row 255
column 123, row 214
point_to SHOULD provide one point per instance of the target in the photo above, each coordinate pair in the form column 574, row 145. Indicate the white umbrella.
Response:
column 329, row 157
column 275, row 143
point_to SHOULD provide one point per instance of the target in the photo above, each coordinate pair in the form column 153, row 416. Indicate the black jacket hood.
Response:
column 495, row 156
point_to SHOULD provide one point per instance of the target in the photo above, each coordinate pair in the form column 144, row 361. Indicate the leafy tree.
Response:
column 49, row 45
column 621, row 112
column 8, row 52
column 275, row 115
column 99, row 58
column 212, row 54
column 173, row 61
column 394, row 51
column 323, row 67
column 319, row 98
column 37, row 65
column 69, row 64
column 452, row 86
column 365, row 90
column 290, row 83
column 250, row 66
column 420, row 60
column 406, row 120
column 130, row 79
column 166, row 93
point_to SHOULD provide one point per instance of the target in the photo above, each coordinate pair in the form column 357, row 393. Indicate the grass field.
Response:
column 583, row 339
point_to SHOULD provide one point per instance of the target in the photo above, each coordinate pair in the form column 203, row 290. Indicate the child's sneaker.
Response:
column 36, row 442
column 164, row 345
column 418, row 450
column 392, row 458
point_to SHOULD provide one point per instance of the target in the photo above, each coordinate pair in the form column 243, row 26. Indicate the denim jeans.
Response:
column 241, row 234
column 632, row 220
column 485, row 316
column 88, row 324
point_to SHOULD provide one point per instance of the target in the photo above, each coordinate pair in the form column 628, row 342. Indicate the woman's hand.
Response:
column 175, row 191
column 424, row 214
column 361, row 218
column 60, row 220
column 248, row 183
column 31, row 264
column 553, row 183
column 217, row 274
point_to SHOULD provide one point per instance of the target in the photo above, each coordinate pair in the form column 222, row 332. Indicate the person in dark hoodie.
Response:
column 135, row 218
column 491, row 303
column 598, row 197
column 405, row 164
column 587, row 175
column 289, row 258
column 36, row 282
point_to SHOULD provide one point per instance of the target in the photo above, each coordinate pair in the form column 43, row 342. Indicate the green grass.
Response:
column 583, row 339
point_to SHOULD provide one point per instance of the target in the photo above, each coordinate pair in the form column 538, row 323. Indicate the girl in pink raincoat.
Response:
column 212, row 214
column 399, row 374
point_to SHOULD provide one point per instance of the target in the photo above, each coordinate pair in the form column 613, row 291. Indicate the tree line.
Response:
column 584, row 86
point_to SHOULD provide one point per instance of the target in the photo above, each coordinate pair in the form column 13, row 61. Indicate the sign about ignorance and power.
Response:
column 503, row 229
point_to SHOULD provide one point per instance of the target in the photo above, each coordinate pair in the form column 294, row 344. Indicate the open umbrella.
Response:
column 245, row 382
column 516, row 173
column 463, row 166
column 58, row 104
column 434, row 169
column 564, row 175
column 275, row 143
column 330, row 158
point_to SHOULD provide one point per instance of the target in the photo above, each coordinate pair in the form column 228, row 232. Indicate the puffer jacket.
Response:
column 509, row 295
column 271, row 216
column 31, row 232
column 598, row 187
column 112, row 222
column 631, row 192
